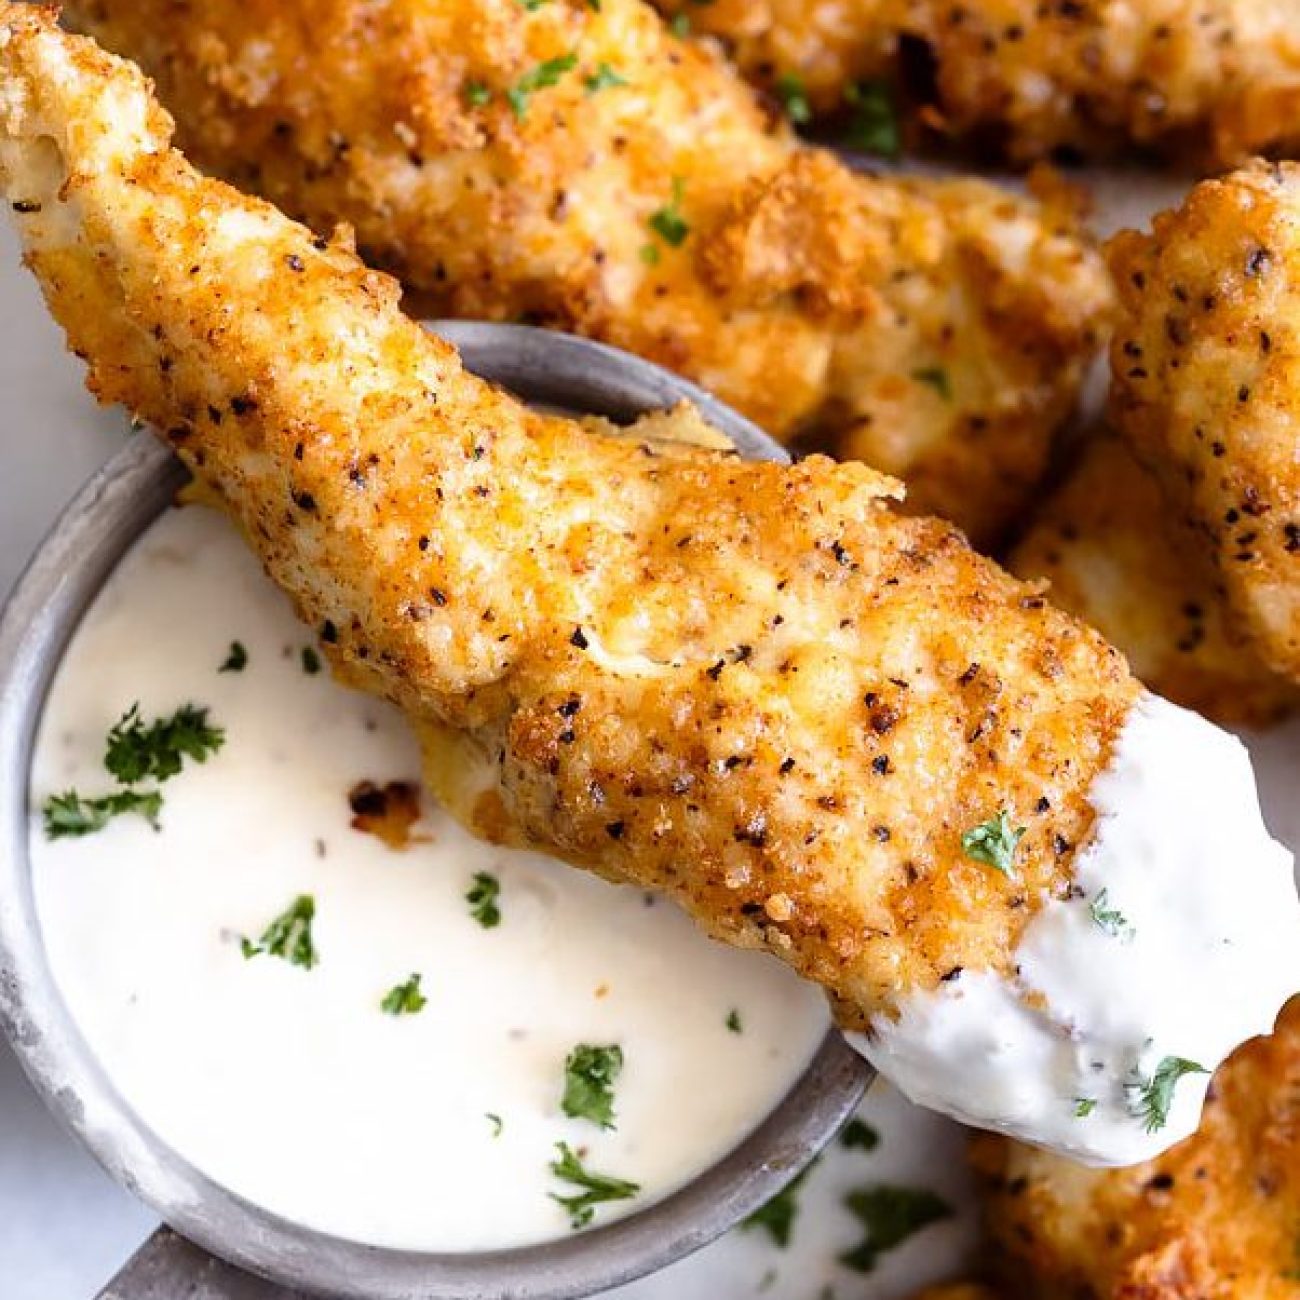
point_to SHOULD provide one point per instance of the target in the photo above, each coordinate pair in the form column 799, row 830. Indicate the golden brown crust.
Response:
column 1117, row 556
column 755, row 687
column 1215, row 1218
column 1219, row 79
column 807, row 296
column 1206, row 385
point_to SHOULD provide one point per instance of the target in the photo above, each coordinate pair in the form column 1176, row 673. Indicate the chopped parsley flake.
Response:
column 137, row 752
column 589, row 1077
column 67, row 815
column 482, row 899
column 1151, row 1098
column 1114, row 922
column 792, row 93
column 288, row 936
column 496, row 1121
column 477, row 95
column 680, row 26
column 993, row 843
column 650, row 254
column 596, row 1188
column 889, row 1216
column 668, row 222
column 935, row 377
column 1084, row 1106
column 541, row 77
column 776, row 1217
column 404, row 999
column 604, row 78
column 733, row 1022
column 236, row 659
column 310, row 661
column 873, row 123
column 858, row 1135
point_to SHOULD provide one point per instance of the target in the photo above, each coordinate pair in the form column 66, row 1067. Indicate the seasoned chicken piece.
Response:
column 824, row 728
column 1216, row 1218
column 1116, row 556
column 1207, row 385
column 1217, row 78
column 579, row 166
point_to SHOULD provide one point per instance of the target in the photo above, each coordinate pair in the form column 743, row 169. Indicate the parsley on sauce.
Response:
column 596, row 1188
column 289, row 936
column 590, row 1073
column 482, row 898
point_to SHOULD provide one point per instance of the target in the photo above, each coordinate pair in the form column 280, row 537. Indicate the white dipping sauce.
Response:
column 290, row 1086
column 1199, row 952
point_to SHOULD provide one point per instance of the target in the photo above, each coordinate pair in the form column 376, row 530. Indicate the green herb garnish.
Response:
column 889, row 1216
column 482, row 899
column 668, row 222
column 935, row 377
column 604, row 78
column 793, row 95
column 993, row 843
column 236, row 659
column 496, row 1121
column 873, row 123
column 680, row 26
column 776, row 1217
column 650, row 254
column 1084, row 1106
column 1151, row 1098
column 858, row 1135
column 1114, row 922
column 67, row 815
column 733, row 1022
column 589, row 1077
column 596, row 1188
column 477, row 95
column 404, row 999
column 137, row 752
column 288, row 936
column 541, row 77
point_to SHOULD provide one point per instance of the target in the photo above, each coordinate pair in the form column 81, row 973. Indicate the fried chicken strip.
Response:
column 1206, row 386
column 579, row 166
column 1118, row 557
column 1216, row 1218
column 815, row 723
column 1218, row 80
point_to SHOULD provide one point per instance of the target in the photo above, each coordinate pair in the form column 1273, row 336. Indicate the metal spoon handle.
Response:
column 167, row 1267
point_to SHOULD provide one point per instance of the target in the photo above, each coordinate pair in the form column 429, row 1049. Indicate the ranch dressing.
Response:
column 291, row 1086
column 1180, row 941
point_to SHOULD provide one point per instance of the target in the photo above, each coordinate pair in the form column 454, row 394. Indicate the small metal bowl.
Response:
column 42, row 615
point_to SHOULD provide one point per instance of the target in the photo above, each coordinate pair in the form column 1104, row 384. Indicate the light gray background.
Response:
column 64, row 1226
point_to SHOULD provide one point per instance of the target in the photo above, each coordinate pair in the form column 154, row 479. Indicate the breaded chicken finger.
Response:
column 1216, row 80
column 823, row 728
column 1206, row 386
column 1118, row 557
column 578, row 165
